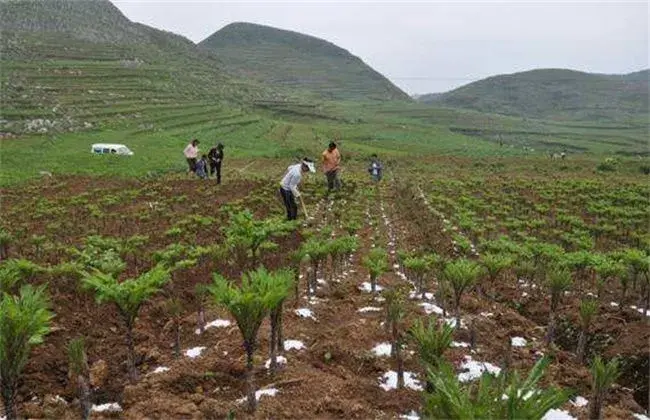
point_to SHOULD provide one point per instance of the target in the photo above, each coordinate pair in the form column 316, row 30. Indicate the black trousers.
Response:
column 216, row 167
column 289, row 204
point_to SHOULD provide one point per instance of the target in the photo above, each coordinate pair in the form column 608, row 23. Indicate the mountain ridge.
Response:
column 552, row 93
column 297, row 60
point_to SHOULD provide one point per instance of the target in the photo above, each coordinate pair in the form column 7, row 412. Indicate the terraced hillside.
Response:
column 69, row 66
column 299, row 61
column 555, row 94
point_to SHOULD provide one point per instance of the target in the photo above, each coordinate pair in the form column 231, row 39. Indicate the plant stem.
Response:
column 252, row 403
column 582, row 343
column 8, row 395
column 130, row 357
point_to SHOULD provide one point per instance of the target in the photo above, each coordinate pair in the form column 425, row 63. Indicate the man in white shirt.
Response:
column 289, row 185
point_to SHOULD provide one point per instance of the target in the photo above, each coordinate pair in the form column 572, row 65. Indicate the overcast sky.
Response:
column 435, row 46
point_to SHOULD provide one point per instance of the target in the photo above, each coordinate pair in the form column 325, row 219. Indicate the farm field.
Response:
column 511, row 226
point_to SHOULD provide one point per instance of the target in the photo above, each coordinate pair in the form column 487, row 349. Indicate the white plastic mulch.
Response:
column 369, row 309
column 217, row 323
column 293, row 345
column 430, row 308
column 473, row 370
column 108, row 407
column 555, row 414
column 579, row 401
column 382, row 349
column 518, row 341
column 388, row 381
column 194, row 352
column 281, row 360
column 367, row 287
column 411, row 415
column 305, row 313
column 271, row 392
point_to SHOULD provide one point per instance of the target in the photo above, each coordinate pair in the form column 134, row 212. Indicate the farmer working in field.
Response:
column 216, row 157
column 191, row 152
column 289, row 186
column 331, row 166
column 375, row 169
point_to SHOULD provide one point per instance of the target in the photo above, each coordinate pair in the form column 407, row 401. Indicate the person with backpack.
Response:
column 191, row 152
column 202, row 167
column 289, row 185
column 216, row 157
column 375, row 169
column 331, row 167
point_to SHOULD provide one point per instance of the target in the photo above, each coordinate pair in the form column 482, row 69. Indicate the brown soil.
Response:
column 335, row 376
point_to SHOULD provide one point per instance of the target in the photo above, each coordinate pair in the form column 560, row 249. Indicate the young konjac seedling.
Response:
column 377, row 263
column 395, row 301
column 128, row 296
column 603, row 375
column 283, row 281
column 494, row 264
column 461, row 274
column 558, row 281
column 588, row 309
column 24, row 321
column 78, row 368
column 503, row 397
column 249, row 304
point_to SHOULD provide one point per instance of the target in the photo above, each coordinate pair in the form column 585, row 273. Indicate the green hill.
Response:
column 75, row 65
column 554, row 94
column 295, row 60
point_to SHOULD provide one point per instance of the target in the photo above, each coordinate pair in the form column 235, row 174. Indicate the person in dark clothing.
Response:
column 375, row 169
column 202, row 167
column 216, row 157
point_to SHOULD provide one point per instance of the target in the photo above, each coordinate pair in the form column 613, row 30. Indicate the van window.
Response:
column 97, row 150
column 105, row 151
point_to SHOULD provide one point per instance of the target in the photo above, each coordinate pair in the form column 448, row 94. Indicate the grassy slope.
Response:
column 298, row 61
column 554, row 94
column 83, row 64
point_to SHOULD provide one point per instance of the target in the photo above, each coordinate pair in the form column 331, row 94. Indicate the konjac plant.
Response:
column 395, row 307
column 128, row 297
column 283, row 282
column 24, row 321
column 603, row 376
column 249, row 304
column 377, row 264
column 79, row 371
column 558, row 281
column 504, row 397
column 461, row 275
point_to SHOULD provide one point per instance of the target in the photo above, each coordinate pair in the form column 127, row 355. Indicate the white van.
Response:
column 110, row 149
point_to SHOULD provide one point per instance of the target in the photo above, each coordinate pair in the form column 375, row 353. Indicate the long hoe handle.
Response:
column 304, row 209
